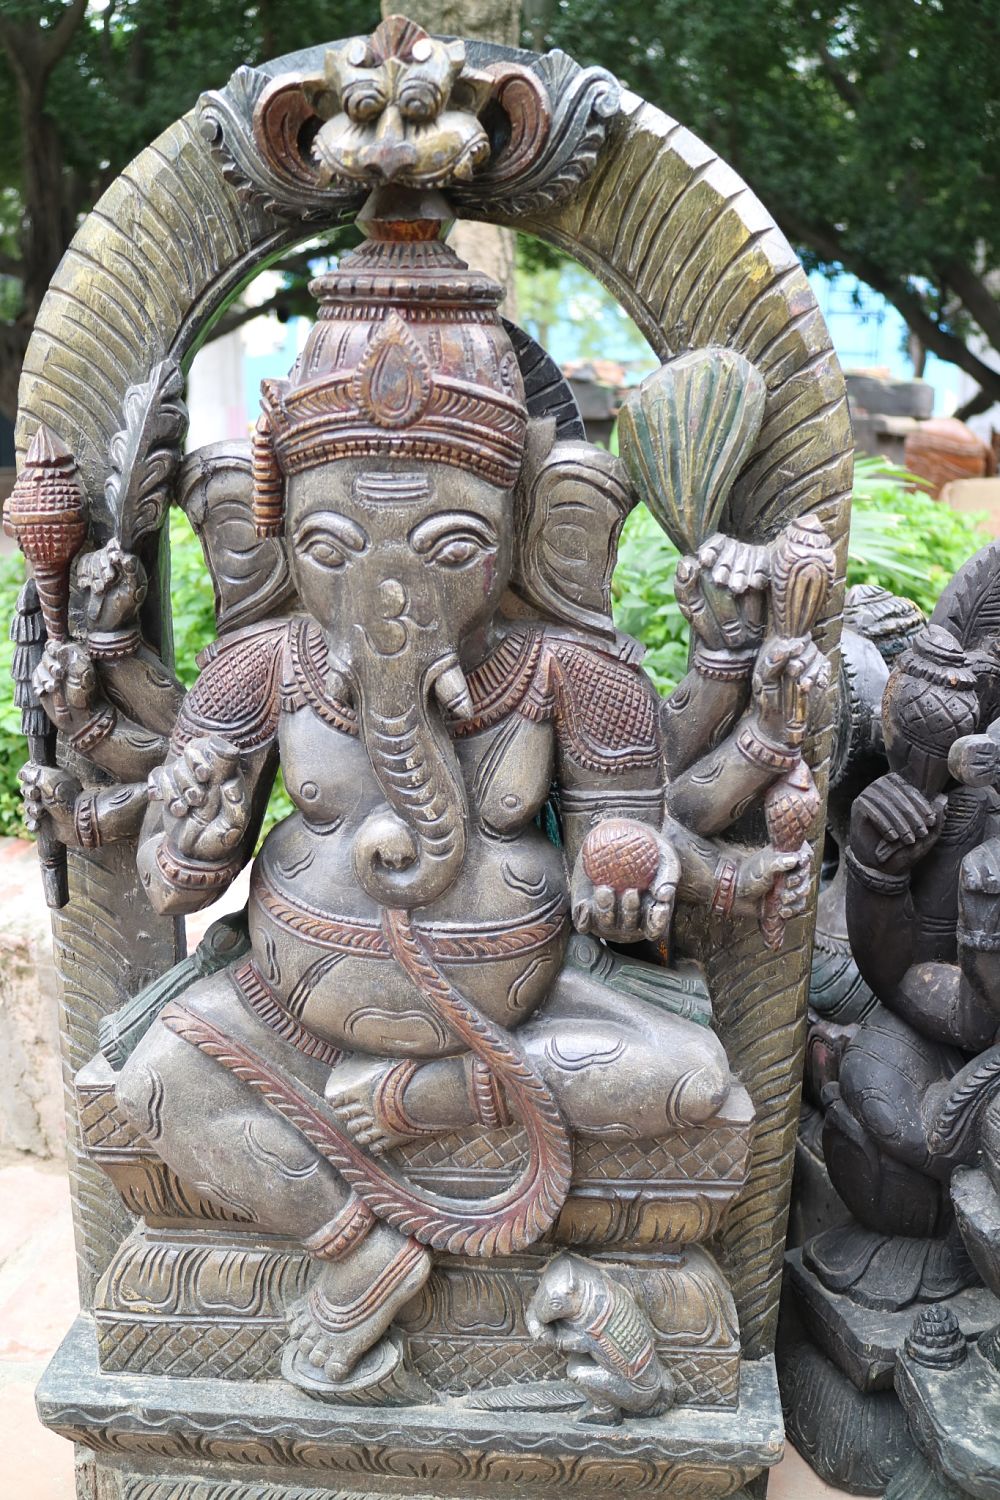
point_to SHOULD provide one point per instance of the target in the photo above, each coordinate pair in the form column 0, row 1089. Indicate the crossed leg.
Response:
column 219, row 1135
column 618, row 1067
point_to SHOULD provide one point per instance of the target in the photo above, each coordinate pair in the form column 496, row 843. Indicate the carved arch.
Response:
column 696, row 260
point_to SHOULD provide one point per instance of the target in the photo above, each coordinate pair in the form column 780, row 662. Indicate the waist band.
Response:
column 450, row 943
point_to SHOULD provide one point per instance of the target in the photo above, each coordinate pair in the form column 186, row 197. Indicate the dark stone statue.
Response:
column 433, row 1151
column 908, row 1100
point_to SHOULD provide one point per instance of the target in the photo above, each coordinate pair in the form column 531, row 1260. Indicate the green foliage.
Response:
column 870, row 130
column 191, row 597
column 900, row 538
column 903, row 539
column 643, row 598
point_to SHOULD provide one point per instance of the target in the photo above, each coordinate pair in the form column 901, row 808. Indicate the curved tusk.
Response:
column 452, row 692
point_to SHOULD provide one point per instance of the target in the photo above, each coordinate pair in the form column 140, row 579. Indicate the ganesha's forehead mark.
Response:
column 396, row 489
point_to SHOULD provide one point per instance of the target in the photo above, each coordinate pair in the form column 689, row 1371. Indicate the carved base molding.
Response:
column 863, row 1342
column 954, row 1415
column 278, row 1443
column 118, row 1486
column 215, row 1307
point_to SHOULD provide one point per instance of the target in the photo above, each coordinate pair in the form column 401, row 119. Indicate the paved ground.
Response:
column 37, row 1304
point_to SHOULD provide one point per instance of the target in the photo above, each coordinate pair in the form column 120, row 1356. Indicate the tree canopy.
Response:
column 870, row 128
column 85, row 85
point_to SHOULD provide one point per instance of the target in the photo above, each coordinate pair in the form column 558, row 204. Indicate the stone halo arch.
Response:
column 695, row 259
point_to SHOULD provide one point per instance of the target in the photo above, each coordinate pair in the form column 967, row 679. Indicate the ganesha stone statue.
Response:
column 434, row 1148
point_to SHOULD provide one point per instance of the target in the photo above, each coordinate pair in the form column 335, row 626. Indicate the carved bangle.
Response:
column 193, row 875
column 877, row 880
column 341, row 1233
column 760, row 752
column 114, row 645
column 724, row 665
column 95, row 730
column 724, row 894
column 488, row 1102
column 88, row 829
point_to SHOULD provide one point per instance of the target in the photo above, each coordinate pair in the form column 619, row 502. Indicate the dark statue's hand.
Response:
column 720, row 591
column 789, row 672
column 66, row 684
column 113, row 583
column 206, row 805
column 636, row 912
column 49, row 791
column 893, row 825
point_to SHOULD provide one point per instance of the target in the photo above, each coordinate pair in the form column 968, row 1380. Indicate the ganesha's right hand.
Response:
column 789, row 674
column 49, row 792
column 206, row 804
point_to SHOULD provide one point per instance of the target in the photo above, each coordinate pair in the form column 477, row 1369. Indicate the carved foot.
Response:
column 366, row 1095
column 350, row 1307
column 380, row 1378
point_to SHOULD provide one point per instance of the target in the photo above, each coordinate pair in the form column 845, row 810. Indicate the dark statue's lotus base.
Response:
column 849, row 1367
column 865, row 1342
column 158, row 1436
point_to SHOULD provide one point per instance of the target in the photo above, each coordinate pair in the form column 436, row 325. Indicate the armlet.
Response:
column 606, row 711
column 238, row 694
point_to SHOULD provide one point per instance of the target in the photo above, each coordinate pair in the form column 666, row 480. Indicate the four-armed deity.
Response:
column 441, row 1128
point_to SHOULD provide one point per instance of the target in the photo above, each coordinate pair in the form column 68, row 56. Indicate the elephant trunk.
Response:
column 410, row 855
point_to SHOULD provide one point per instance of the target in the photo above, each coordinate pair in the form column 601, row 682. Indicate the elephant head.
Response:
column 402, row 564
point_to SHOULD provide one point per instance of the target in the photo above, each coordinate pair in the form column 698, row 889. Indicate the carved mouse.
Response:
column 585, row 1313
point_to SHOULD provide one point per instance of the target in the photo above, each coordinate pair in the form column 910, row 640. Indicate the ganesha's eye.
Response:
column 455, row 552
column 325, row 552
column 454, row 539
column 329, row 539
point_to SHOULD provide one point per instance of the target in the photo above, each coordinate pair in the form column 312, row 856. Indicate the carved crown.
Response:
column 407, row 358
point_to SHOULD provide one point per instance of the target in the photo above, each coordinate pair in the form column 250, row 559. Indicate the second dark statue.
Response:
column 908, row 1085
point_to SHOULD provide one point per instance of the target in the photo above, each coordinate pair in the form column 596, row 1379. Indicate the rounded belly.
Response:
column 498, row 935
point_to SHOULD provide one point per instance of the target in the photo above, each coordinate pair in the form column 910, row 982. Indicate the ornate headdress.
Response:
column 408, row 358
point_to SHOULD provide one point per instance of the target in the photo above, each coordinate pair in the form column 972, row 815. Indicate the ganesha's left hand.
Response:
column 624, row 882
column 720, row 591
column 757, row 874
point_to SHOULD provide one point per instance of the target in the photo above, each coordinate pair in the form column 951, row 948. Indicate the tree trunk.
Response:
column 484, row 246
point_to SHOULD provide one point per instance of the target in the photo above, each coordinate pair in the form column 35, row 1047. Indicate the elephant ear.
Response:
column 250, row 574
column 572, row 503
